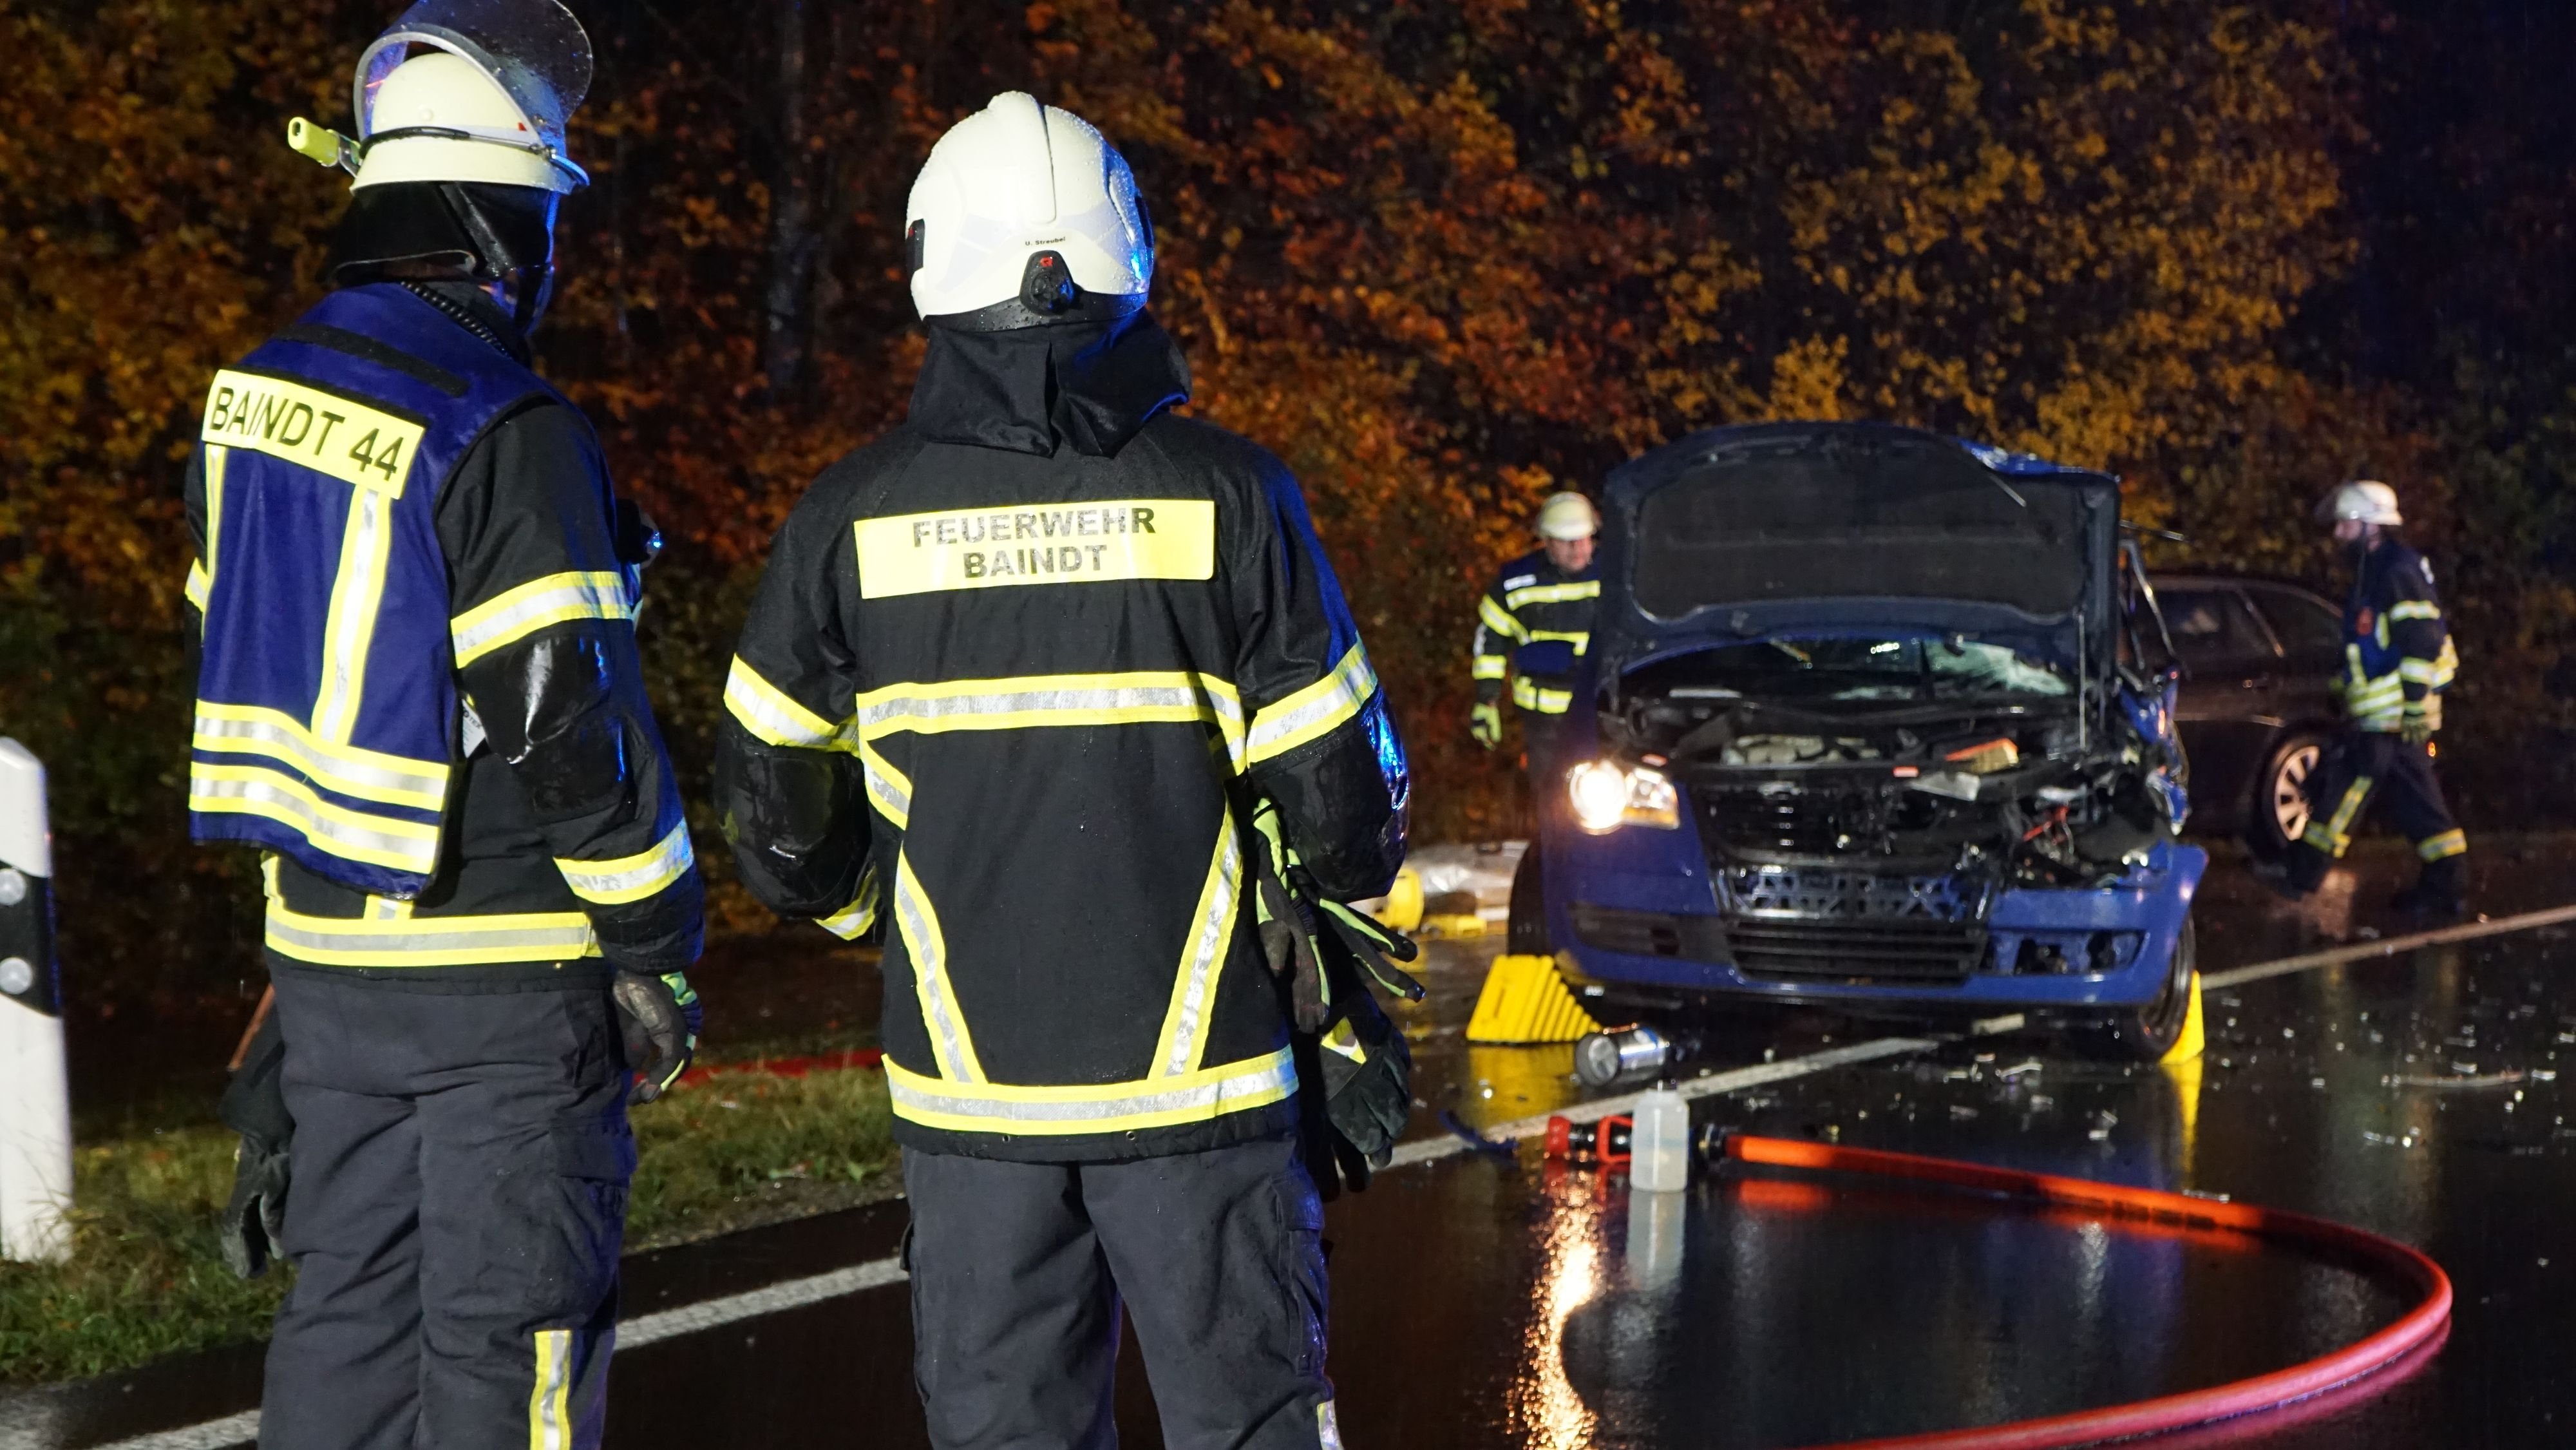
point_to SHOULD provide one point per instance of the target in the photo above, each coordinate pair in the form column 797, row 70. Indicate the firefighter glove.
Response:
column 1367, row 1071
column 1485, row 722
column 659, row 1018
column 2414, row 727
column 254, row 1105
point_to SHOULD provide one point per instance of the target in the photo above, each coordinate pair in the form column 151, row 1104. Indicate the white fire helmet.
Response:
column 1567, row 516
column 2368, row 501
column 1025, row 215
column 465, row 90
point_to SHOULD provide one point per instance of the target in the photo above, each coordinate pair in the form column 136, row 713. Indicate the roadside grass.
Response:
column 146, row 1279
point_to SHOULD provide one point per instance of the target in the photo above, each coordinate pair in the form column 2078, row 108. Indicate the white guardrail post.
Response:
column 35, row 1095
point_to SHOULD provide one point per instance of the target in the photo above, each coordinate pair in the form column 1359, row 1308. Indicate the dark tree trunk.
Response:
column 792, row 238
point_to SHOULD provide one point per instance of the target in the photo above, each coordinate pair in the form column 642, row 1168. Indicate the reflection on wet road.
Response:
column 1483, row 1302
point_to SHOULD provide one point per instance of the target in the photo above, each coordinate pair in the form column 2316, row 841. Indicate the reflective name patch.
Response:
column 322, row 431
column 1145, row 538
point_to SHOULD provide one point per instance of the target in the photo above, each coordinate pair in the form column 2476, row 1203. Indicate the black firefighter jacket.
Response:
column 1017, row 671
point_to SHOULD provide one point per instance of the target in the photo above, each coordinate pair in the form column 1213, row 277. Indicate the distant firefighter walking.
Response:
column 2398, row 661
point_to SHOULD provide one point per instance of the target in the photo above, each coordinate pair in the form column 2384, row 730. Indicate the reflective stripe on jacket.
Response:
column 1531, row 627
column 1018, row 697
column 2398, row 650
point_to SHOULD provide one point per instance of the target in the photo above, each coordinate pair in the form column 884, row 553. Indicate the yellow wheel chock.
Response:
column 1525, row 1002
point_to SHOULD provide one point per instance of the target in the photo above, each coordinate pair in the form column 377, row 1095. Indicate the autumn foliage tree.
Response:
column 1442, row 257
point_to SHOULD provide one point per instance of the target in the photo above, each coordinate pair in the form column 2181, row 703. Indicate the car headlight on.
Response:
column 1604, row 797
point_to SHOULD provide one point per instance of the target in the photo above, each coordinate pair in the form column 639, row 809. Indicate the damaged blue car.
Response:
column 1859, row 727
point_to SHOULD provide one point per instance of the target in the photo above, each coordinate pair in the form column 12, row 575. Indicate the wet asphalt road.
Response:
column 1484, row 1302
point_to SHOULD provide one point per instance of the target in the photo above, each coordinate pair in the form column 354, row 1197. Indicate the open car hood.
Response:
column 1845, row 528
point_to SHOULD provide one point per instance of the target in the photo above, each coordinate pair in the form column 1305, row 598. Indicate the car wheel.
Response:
column 2278, row 813
column 2146, row 1034
column 1526, row 934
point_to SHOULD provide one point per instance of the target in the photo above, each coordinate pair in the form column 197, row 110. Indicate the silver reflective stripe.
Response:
column 929, row 953
column 324, row 767
column 573, row 596
column 540, row 943
column 750, row 698
column 1265, row 1079
column 893, row 793
column 1345, row 690
column 654, row 869
column 1209, row 937
column 1033, row 702
column 406, row 848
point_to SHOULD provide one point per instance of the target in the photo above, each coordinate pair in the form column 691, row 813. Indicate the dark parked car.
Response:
column 1858, row 727
column 2254, row 709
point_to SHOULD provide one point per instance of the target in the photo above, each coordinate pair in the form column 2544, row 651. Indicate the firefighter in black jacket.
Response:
column 2398, row 660
column 419, row 697
column 1030, row 671
column 1534, row 624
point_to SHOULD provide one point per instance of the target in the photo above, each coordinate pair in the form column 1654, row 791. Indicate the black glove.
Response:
column 659, row 1018
column 1366, row 1069
column 254, row 1105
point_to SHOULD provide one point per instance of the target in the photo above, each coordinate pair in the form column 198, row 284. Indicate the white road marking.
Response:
column 243, row 1429
column 2364, row 951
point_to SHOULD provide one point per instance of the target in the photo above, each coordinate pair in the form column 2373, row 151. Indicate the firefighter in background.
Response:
column 419, row 697
column 1066, row 682
column 2398, row 659
column 1534, row 624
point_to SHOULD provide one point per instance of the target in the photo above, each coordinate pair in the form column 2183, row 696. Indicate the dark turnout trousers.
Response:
column 2361, row 765
column 1019, row 1269
column 460, row 1165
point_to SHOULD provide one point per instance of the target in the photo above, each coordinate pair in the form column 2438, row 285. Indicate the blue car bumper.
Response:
column 2043, row 948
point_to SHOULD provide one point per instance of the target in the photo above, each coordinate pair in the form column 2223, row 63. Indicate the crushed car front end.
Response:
column 1857, row 733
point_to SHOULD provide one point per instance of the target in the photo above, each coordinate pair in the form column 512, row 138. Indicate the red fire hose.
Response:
column 2419, row 1327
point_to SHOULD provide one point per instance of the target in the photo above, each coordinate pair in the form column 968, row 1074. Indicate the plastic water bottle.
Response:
column 1660, row 1142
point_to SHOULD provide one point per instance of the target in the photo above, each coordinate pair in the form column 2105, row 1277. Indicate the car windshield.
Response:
column 1896, row 670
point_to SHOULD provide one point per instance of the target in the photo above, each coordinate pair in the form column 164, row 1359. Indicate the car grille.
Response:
column 1842, row 951
column 1823, row 924
column 1650, row 933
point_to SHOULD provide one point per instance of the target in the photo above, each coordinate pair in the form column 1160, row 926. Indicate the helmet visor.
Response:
column 534, row 49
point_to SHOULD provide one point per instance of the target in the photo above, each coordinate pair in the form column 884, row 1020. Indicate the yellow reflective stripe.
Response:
column 2447, row 844
column 1183, row 1043
column 851, row 922
column 631, row 878
column 2414, row 609
column 550, row 1403
column 1527, row 694
column 1499, row 621
column 510, row 617
column 1490, row 667
column 928, row 951
column 357, row 592
column 1314, row 711
column 366, row 774
column 1155, row 1102
column 218, row 461
column 258, row 791
column 1581, row 639
column 2420, row 672
column 1552, row 593
column 889, row 789
column 2334, row 836
column 436, row 941
column 768, row 712
column 199, row 587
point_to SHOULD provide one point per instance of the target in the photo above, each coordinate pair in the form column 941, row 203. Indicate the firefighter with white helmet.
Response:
column 1064, row 682
column 419, row 697
column 2398, row 660
column 1534, row 624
